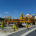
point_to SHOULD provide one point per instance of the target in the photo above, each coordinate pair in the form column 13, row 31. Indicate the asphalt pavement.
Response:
column 32, row 33
column 23, row 31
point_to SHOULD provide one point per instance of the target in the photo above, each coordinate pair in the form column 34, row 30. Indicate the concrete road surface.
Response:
column 19, row 33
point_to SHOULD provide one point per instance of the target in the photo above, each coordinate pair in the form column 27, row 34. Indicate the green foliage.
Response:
column 1, row 19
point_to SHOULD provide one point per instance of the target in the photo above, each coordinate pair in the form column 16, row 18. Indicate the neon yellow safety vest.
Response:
column 14, row 26
column 2, row 25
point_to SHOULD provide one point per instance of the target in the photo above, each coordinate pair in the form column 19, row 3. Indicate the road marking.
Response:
column 28, row 32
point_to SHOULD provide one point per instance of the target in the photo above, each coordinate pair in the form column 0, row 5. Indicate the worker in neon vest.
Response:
column 26, row 25
column 14, row 27
column 2, row 25
column 35, row 23
column 7, row 23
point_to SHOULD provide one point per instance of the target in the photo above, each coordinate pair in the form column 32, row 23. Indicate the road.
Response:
column 32, row 33
column 23, row 31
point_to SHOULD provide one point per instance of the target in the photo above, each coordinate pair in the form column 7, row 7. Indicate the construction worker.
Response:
column 35, row 23
column 30, row 24
column 7, row 23
column 27, row 26
column 2, row 25
column 16, row 24
column 14, row 27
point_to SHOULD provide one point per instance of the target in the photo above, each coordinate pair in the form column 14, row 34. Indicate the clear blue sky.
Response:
column 15, row 7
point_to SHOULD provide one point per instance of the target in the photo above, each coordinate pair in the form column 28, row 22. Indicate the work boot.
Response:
column 28, row 28
column 16, row 29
